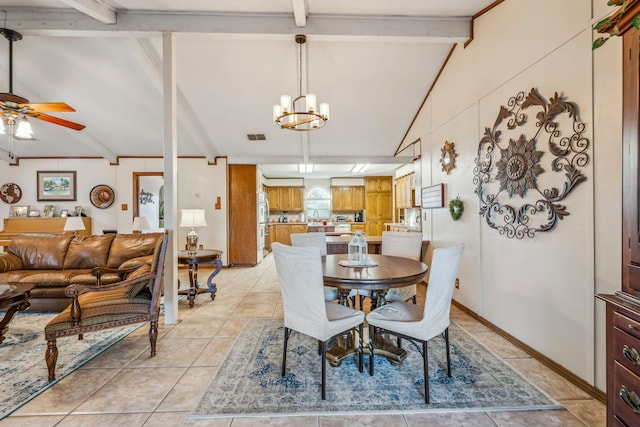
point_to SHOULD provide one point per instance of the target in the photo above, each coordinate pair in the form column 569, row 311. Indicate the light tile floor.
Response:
column 125, row 387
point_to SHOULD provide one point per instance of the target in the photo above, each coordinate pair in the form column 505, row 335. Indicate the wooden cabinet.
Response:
column 273, row 197
column 375, row 227
column 289, row 199
column 283, row 231
column 378, row 184
column 347, row 199
column 623, row 307
column 378, row 203
column 404, row 192
column 357, row 227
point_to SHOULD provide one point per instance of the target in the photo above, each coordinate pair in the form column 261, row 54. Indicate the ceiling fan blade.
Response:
column 50, row 107
column 57, row 121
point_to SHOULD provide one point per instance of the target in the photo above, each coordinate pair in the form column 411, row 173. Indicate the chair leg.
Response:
column 446, row 340
column 372, row 332
column 51, row 357
column 323, row 345
column 153, row 336
column 425, row 358
column 287, row 331
column 360, row 345
column 413, row 298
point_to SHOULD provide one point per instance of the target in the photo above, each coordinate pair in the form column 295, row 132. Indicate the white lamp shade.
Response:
column 192, row 218
column 311, row 102
column 74, row 223
column 324, row 110
column 140, row 223
column 24, row 130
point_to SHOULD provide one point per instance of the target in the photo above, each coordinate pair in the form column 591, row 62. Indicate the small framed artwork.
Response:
column 56, row 185
column 48, row 211
column 64, row 212
column 34, row 213
column 19, row 211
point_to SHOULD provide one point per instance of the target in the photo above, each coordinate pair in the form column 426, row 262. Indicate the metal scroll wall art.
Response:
column 509, row 169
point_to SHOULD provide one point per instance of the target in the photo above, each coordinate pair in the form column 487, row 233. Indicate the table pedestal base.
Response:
column 347, row 346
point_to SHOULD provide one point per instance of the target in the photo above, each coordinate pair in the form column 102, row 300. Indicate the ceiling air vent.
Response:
column 256, row 137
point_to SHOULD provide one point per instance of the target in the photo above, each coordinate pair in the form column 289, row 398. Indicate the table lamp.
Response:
column 74, row 223
column 192, row 218
column 140, row 223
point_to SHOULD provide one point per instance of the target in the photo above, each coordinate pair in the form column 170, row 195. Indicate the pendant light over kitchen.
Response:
column 302, row 114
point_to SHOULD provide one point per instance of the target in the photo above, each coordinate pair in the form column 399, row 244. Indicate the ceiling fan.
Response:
column 14, row 108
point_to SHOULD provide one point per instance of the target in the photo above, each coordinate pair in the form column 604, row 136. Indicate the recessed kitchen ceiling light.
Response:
column 308, row 168
column 360, row 167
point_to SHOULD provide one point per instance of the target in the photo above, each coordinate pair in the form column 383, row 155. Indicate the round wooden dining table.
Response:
column 389, row 272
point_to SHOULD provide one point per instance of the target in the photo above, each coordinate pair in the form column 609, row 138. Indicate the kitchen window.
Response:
column 317, row 204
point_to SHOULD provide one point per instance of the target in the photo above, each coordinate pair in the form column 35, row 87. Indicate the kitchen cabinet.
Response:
column 404, row 192
column 289, row 199
column 283, row 231
column 273, row 197
column 379, row 184
column 357, row 227
column 378, row 201
column 347, row 199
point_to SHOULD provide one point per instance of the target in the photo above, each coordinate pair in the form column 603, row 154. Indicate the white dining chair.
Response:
column 316, row 240
column 301, row 287
column 400, row 244
column 418, row 324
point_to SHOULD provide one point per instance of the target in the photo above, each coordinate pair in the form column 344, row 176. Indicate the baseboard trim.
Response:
column 557, row 368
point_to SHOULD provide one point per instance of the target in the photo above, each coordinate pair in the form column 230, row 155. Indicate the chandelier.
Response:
column 302, row 114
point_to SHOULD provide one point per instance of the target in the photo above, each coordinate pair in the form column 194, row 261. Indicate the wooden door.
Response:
column 336, row 199
column 296, row 198
column 358, row 198
column 243, row 214
column 273, row 196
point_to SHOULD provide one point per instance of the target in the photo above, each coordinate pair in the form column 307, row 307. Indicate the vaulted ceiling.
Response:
column 373, row 61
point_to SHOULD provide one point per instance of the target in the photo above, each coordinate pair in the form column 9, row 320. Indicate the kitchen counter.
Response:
column 340, row 245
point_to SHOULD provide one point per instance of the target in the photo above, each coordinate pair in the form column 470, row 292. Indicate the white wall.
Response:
column 199, row 185
column 540, row 290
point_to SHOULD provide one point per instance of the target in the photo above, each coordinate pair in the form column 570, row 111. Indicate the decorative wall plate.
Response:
column 102, row 196
column 10, row 193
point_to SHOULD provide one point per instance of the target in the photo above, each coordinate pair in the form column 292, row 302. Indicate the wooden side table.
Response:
column 13, row 300
column 193, row 260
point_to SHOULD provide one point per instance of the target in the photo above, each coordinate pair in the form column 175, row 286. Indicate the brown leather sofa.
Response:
column 54, row 261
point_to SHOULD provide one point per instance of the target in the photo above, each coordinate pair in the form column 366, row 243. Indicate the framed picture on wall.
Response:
column 56, row 185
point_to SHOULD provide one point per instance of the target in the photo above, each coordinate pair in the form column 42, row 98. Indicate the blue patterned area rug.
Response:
column 249, row 383
column 23, row 370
